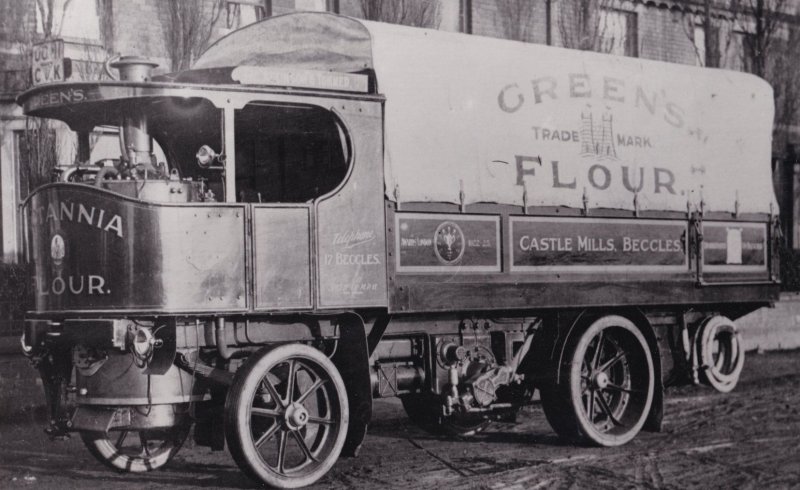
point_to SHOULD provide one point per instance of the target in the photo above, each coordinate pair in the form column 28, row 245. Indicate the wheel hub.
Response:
column 600, row 380
column 296, row 416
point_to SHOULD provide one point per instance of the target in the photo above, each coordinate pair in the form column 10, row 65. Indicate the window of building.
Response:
column 317, row 5
column 243, row 12
column 76, row 19
column 455, row 15
column 741, row 52
column 619, row 32
column 699, row 37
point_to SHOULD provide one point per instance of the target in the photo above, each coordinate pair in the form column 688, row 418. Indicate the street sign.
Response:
column 48, row 62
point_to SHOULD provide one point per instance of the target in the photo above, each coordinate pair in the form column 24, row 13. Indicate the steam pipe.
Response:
column 219, row 337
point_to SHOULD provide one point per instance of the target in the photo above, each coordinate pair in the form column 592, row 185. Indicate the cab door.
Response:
column 282, row 273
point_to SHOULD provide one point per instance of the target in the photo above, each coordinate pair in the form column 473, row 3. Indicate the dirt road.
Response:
column 746, row 439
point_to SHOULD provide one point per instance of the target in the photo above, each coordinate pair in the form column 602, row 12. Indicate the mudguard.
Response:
column 352, row 360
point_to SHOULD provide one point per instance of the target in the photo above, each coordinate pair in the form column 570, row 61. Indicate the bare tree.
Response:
column 47, row 13
column 17, row 20
column 516, row 18
column 105, row 12
column 716, row 21
column 783, row 73
column 39, row 151
column 767, row 21
column 189, row 28
column 580, row 23
column 418, row 13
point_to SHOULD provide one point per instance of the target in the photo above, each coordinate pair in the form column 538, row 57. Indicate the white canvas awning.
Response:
column 487, row 120
column 490, row 120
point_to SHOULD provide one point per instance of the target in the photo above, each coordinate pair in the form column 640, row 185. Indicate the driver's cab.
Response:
column 284, row 153
column 302, row 168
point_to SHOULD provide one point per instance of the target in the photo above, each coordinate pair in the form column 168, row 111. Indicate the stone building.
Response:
column 669, row 30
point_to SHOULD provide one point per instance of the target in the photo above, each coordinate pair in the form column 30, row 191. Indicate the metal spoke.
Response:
column 604, row 406
column 291, row 380
column 265, row 412
column 273, row 392
column 303, row 446
column 318, row 420
column 281, row 451
column 311, row 390
column 614, row 387
column 597, row 350
column 264, row 391
column 267, row 435
column 143, row 441
column 590, row 405
column 121, row 438
column 611, row 362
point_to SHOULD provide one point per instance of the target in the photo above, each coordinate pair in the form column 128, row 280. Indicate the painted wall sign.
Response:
column 47, row 62
column 447, row 243
column 592, row 245
column 734, row 247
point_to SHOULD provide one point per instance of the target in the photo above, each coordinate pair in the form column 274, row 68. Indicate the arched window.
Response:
column 288, row 153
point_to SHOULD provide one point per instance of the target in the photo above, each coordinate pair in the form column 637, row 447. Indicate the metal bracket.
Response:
column 397, row 195
column 777, row 235
column 524, row 199
column 698, row 242
column 585, row 202
column 462, row 197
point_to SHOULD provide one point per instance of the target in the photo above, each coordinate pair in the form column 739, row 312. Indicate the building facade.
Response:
column 681, row 31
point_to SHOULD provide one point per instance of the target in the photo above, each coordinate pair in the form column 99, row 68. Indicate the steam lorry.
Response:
column 324, row 211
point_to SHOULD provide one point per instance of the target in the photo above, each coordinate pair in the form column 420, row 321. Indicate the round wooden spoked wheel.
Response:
column 607, row 384
column 136, row 451
column 286, row 416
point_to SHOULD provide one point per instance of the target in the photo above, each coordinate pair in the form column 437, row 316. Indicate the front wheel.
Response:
column 286, row 416
column 136, row 451
column 607, row 391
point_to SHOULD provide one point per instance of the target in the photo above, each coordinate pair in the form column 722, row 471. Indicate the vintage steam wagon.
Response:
column 348, row 210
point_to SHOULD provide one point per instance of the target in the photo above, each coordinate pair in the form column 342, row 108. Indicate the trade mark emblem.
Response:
column 448, row 242
column 57, row 250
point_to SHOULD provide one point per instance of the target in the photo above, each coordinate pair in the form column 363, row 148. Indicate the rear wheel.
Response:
column 720, row 353
column 286, row 416
column 136, row 451
column 607, row 384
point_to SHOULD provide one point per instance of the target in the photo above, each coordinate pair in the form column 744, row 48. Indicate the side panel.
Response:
column 735, row 247
column 569, row 261
column 96, row 251
column 282, row 258
column 542, row 244
column 351, row 246
column 444, row 242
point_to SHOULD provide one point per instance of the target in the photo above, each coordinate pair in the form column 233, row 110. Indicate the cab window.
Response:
column 288, row 153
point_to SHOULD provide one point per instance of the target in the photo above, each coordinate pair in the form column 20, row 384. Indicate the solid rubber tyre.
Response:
column 720, row 352
column 606, row 386
column 157, row 448
column 294, row 396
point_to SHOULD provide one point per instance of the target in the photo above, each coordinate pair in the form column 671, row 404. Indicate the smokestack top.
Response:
column 134, row 68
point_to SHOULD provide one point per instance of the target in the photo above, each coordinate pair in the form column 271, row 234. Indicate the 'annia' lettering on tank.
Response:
column 78, row 213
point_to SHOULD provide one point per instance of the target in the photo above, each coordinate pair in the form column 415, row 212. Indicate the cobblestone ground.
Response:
column 746, row 439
